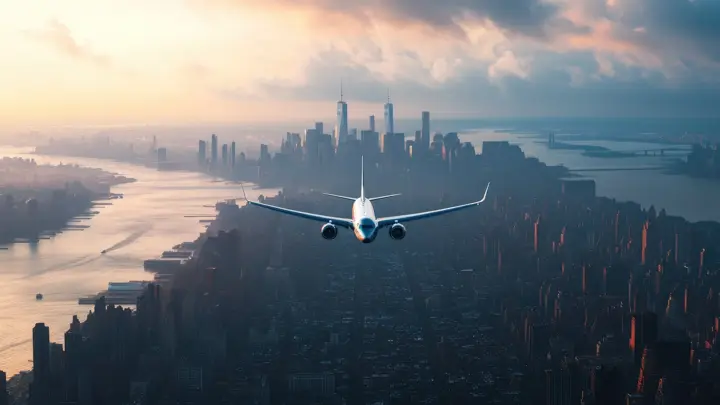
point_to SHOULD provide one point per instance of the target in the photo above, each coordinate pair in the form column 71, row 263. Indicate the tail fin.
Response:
column 362, row 178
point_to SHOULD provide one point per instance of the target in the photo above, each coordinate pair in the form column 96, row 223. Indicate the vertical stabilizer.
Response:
column 362, row 178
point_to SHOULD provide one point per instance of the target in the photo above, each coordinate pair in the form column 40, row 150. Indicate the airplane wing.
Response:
column 382, row 222
column 346, row 223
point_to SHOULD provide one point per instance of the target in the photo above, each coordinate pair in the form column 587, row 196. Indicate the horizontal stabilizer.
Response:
column 341, row 196
column 382, row 197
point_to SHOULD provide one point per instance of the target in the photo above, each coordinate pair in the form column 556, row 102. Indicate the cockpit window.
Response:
column 367, row 224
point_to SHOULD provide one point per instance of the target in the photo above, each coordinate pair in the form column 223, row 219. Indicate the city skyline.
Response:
column 242, row 61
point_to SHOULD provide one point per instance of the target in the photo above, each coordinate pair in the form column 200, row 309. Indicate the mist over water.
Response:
column 147, row 221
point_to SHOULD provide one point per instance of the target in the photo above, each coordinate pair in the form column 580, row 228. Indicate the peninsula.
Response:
column 37, row 200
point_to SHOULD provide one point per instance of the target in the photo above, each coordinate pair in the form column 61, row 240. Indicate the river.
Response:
column 149, row 220
column 692, row 198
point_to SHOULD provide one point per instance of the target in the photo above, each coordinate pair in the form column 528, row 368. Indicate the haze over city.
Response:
column 104, row 62
column 238, row 201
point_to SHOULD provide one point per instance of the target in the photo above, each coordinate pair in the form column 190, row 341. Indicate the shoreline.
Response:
column 41, row 201
column 218, row 217
column 197, row 236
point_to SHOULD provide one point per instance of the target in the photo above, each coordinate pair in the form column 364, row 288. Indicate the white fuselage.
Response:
column 365, row 224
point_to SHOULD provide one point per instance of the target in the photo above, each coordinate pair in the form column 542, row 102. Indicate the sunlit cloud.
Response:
column 59, row 37
column 240, row 60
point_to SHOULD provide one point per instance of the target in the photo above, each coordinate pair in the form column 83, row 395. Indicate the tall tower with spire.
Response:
column 389, row 116
column 341, row 128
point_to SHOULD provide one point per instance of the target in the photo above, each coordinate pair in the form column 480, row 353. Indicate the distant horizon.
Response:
column 353, row 120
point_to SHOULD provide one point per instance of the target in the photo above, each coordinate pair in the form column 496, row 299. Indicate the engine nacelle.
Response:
column 397, row 231
column 329, row 231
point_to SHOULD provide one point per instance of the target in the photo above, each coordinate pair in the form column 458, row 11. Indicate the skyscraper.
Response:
column 312, row 145
column 3, row 389
column 370, row 144
column 558, row 386
column 214, row 150
column 389, row 116
column 40, row 388
column 233, row 154
column 372, row 123
column 341, row 129
column 202, row 150
column 224, row 154
column 643, row 331
column 425, row 130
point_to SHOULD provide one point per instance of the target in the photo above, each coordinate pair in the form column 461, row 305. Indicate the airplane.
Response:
column 364, row 223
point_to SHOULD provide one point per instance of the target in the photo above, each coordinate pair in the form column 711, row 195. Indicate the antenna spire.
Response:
column 388, row 92
column 341, row 90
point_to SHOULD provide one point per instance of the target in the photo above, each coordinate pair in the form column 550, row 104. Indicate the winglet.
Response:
column 486, row 191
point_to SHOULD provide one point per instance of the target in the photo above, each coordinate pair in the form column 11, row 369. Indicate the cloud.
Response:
column 58, row 36
column 557, row 85
column 642, row 32
column 526, row 17
column 674, row 36
column 675, row 39
column 691, row 25
column 473, row 57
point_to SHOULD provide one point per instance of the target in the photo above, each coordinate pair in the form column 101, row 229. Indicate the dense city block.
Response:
column 545, row 294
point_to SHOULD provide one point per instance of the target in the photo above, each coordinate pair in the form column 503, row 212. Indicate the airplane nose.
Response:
column 365, row 234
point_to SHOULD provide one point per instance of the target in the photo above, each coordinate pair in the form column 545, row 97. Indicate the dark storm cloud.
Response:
column 665, row 26
column 694, row 23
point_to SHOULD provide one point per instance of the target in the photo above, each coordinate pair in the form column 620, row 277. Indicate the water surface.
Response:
column 149, row 220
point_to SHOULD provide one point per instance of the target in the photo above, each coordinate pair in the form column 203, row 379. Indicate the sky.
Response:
column 109, row 62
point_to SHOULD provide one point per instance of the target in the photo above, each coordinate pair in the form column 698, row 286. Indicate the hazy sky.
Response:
column 161, row 61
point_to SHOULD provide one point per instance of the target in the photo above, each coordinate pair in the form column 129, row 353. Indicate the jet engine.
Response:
column 397, row 231
column 329, row 231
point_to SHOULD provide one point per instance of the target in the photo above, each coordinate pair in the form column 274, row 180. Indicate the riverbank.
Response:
column 39, row 201
column 159, row 210
column 27, row 174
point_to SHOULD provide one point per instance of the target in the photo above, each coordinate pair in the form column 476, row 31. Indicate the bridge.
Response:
column 650, row 152
column 661, row 150
column 618, row 169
